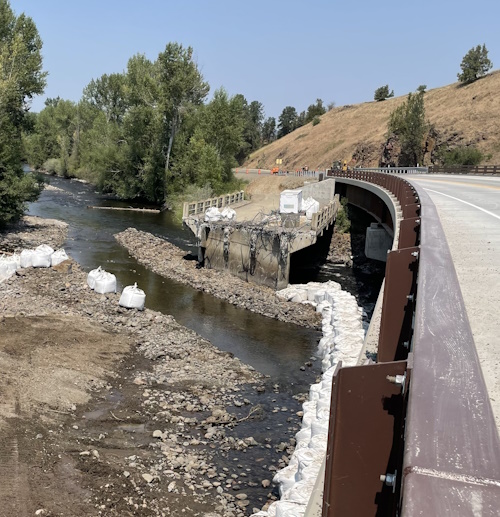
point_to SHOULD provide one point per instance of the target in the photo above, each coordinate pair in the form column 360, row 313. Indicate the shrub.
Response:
column 342, row 221
column 316, row 121
column 463, row 156
column 53, row 166
column 383, row 93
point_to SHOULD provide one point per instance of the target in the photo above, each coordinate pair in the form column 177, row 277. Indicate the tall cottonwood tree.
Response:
column 21, row 77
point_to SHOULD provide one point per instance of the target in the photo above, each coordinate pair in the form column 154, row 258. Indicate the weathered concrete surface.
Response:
column 323, row 191
column 469, row 210
column 378, row 242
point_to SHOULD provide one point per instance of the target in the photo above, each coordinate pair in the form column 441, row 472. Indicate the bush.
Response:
column 53, row 166
column 463, row 156
column 342, row 221
column 383, row 93
column 316, row 121
column 474, row 65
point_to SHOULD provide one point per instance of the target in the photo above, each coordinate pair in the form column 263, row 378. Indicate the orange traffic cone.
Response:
column 259, row 171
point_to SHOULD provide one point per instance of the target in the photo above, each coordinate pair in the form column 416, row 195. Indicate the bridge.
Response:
column 416, row 433
column 259, row 246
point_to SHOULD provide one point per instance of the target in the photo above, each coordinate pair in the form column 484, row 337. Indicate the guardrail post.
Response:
column 365, row 440
column 409, row 233
column 398, row 304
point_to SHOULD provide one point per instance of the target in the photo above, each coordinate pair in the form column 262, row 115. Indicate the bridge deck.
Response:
column 469, row 210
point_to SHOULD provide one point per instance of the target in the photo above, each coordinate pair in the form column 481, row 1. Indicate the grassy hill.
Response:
column 461, row 115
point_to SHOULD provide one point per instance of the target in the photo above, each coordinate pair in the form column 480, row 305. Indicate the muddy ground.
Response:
column 107, row 411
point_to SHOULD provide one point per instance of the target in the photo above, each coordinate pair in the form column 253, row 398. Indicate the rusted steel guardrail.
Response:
column 325, row 216
column 414, row 434
column 465, row 169
column 199, row 207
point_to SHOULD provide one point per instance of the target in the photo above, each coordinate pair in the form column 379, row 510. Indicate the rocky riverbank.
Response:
column 32, row 231
column 109, row 411
column 166, row 259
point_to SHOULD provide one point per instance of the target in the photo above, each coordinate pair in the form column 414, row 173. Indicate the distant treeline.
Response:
column 149, row 133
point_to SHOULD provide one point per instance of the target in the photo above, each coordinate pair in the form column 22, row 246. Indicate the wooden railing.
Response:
column 199, row 207
column 324, row 217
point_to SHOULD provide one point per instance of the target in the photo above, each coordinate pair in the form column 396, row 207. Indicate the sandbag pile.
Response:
column 342, row 340
column 42, row 256
column 213, row 214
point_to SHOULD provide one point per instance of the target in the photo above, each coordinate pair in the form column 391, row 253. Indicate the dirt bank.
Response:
column 166, row 259
column 107, row 411
column 32, row 231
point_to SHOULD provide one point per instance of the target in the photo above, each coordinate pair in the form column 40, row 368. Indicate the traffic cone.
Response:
column 259, row 171
column 247, row 171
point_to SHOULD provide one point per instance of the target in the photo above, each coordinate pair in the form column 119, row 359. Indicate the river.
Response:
column 272, row 347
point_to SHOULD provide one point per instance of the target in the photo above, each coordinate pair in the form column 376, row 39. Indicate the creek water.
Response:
column 272, row 347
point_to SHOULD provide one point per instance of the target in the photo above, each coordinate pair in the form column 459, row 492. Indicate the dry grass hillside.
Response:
column 461, row 115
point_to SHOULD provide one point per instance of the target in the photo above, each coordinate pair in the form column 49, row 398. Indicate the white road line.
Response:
column 465, row 202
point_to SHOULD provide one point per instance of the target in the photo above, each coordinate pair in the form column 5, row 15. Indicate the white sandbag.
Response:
column 212, row 214
column 92, row 276
column 319, row 427
column 300, row 492
column 319, row 443
column 289, row 509
column 286, row 477
column 132, row 297
column 8, row 266
column 105, row 283
column 303, row 437
column 313, row 208
column 57, row 257
column 228, row 214
column 27, row 258
column 41, row 256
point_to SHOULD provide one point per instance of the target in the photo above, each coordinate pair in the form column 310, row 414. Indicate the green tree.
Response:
column 474, row 65
column 21, row 77
column 408, row 123
column 315, row 111
column 287, row 121
column 269, row 130
column 382, row 93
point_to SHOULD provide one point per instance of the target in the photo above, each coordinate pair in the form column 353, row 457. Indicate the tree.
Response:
column 315, row 110
column 287, row 121
column 408, row 123
column 422, row 88
column 330, row 106
column 474, row 65
column 21, row 77
column 269, row 130
column 382, row 93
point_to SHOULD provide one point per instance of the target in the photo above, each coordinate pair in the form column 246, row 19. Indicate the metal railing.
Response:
column 393, row 170
column 199, row 207
column 414, row 433
column 465, row 169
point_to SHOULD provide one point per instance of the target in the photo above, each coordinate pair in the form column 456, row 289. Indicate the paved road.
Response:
column 469, row 210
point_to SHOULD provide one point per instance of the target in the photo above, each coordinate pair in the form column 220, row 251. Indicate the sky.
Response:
column 280, row 53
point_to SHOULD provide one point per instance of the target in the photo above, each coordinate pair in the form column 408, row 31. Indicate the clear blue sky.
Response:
column 281, row 53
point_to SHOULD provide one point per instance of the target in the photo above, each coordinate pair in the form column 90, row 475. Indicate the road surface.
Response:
column 469, row 210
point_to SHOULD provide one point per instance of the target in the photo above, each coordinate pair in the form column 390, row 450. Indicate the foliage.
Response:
column 53, row 166
column 287, row 121
column 315, row 121
column 269, row 130
column 21, row 77
column 408, row 123
column 382, row 93
column 422, row 88
column 315, row 111
column 474, row 65
column 342, row 221
column 330, row 106
column 462, row 156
